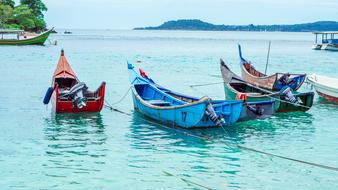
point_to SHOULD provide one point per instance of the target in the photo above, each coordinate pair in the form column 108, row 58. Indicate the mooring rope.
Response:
column 278, row 99
column 124, row 96
column 187, row 181
column 276, row 155
column 206, row 84
column 159, row 124
column 230, row 145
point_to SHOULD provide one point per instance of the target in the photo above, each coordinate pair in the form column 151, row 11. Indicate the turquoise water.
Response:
column 109, row 150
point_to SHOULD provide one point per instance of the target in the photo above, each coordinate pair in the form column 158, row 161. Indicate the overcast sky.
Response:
column 127, row 14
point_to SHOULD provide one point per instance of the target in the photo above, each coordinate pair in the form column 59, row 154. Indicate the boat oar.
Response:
column 206, row 84
column 267, row 58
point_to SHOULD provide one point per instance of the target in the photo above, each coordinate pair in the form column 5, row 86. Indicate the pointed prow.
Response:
column 62, row 52
column 240, row 52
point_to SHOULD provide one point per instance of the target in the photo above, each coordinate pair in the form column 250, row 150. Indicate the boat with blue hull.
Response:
column 250, row 110
column 155, row 103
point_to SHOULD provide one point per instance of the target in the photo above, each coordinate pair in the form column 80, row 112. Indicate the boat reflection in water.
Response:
column 75, row 142
column 148, row 133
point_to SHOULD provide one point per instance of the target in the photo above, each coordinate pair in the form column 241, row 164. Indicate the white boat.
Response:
column 326, row 41
column 331, row 47
column 316, row 46
column 326, row 87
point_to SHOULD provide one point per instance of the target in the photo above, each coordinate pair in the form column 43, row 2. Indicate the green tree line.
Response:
column 28, row 15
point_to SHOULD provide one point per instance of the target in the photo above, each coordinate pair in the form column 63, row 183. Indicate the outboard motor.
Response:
column 285, row 80
column 76, row 94
column 255, row 109
column 210, row 112
column 287, row 95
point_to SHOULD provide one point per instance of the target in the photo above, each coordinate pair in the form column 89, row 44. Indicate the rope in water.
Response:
column 206, row 84
column 187, row 181
column 230, row 145
column 124, row 96
column 278, row 156
column 107, row 105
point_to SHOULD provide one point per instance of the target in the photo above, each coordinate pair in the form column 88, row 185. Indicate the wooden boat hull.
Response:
column 268, row 109
column 279, row 106
column 326, row 87
column 38, row 40
column 186, row 117
column 272, row 82
column 66, row 106
column 306, row 100
column 231, row 94
column 254, row 94
column 152, row 101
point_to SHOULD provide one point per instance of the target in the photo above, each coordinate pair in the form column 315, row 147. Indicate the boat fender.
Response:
column 241, row 96
column 48, row 95
column 287, row 95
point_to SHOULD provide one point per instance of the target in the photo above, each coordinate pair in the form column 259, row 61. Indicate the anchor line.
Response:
column 230, row 145
column 159, row 124
column 276, row 155
column 206, row 84
column 187, row 181
column 121, row 99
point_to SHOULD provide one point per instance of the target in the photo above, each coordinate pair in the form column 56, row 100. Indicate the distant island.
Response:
column 195, row 24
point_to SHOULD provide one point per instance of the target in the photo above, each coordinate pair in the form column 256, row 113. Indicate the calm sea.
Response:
column 40, row 150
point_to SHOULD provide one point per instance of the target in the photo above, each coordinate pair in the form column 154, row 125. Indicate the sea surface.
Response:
column 110, row 150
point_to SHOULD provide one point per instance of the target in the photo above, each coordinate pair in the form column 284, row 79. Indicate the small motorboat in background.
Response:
column 326, row 87
column 174, row 110
column 22, row 37
column 67, row 32
column 327, row 41
column 273, row 82
column 69, row 95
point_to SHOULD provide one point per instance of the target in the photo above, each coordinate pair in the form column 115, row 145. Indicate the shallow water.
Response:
column 109, row 150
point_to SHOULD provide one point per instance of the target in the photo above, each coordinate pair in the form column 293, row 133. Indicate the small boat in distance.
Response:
column 326, row 87
column 68, row 32
column 169, row 109
column 69, row 95
column 285, row 101
column 20, row 37
column 250, row 110
column 274, row 82
column 327, row 41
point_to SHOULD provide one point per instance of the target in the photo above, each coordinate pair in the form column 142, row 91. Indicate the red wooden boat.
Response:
column 69, row 95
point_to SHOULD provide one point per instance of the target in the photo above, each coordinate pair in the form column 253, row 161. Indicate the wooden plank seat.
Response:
column 158, row 103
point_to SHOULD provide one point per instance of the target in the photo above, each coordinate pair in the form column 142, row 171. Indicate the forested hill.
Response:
column 24, row 14
column 200, row 25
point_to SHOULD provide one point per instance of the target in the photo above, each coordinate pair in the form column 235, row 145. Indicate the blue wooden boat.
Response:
column 250, row 110
column 155, row 103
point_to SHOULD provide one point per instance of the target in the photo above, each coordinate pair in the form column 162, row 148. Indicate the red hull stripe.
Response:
column 327, row 97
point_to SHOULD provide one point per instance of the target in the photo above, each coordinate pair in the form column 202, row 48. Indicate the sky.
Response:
column 128, row 14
